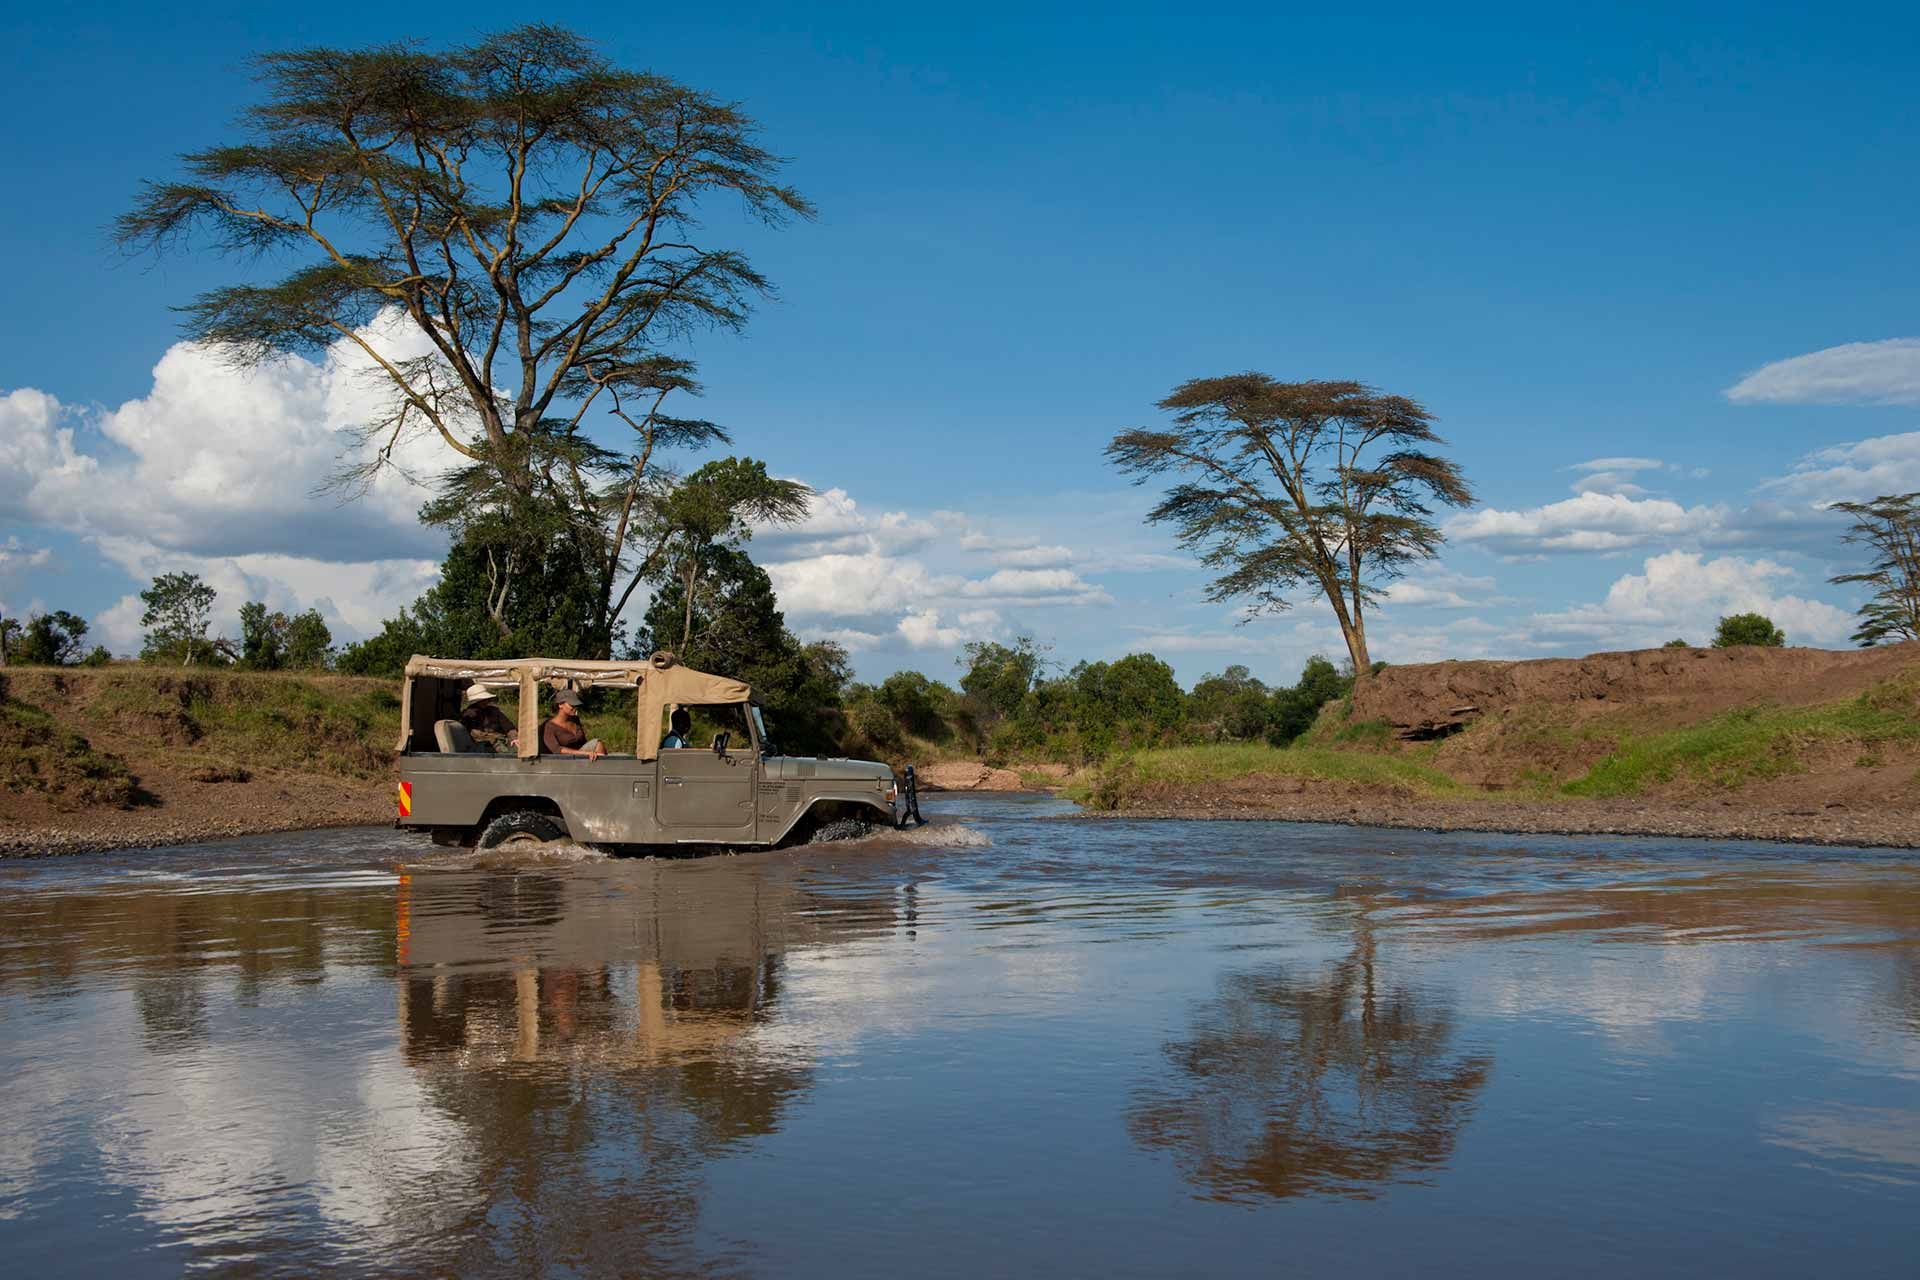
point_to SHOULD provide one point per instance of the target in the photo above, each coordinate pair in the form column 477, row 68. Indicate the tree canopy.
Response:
column 1284, row 487
column 531, row 208
column 1748, row 628
column 179, row 611
column 510, row 233
column 1889, row 527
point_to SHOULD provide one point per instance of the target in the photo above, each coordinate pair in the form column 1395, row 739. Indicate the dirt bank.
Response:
column 1802, row 818
column 128, row 757
column 1778, row 744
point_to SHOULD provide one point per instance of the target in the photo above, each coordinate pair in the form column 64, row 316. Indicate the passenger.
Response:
column 563, row 735
column 486, row 723
column 680, row 724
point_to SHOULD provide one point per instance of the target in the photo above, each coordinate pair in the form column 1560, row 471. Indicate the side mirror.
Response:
column 720, row 741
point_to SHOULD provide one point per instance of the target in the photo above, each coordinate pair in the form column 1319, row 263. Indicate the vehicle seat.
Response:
column 453, row 738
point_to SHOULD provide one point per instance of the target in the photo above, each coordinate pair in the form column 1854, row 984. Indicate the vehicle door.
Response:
column 706, row 793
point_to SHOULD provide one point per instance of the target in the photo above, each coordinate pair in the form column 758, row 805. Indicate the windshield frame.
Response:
column 758, row 719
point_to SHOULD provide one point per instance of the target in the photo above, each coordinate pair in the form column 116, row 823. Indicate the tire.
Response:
column 521, row 828
column 840, row 829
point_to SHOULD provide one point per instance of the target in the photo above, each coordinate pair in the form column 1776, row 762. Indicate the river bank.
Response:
column 1812, row 746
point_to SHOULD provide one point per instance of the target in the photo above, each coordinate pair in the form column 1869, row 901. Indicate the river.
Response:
column 1017, row 1041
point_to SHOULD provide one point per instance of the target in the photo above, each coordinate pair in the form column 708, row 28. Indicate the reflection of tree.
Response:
column 1330, row 1083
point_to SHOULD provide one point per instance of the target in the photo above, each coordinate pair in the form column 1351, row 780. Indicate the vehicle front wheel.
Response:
column 841, row 829
column 521, row 828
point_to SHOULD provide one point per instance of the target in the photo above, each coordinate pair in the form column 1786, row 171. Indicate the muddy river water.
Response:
column 1016, row 1042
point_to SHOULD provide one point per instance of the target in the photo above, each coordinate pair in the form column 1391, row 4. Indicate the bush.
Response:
column 1748, row 628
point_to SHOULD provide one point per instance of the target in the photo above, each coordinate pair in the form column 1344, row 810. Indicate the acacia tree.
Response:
column 527, row 209
column 1890, row 525
column 1291, row 486
column 695, row 526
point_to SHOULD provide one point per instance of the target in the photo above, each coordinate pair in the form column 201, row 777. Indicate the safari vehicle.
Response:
column 737, row 790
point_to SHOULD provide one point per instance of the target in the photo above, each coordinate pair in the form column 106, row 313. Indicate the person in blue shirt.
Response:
column 679, row 724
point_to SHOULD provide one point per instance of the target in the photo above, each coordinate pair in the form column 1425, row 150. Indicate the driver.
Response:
column 679, row 725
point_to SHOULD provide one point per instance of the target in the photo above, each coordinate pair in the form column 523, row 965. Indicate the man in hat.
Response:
column 485, row 721
column 563, row 734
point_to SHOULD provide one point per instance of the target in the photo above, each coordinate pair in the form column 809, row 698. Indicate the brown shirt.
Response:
column 556, row 736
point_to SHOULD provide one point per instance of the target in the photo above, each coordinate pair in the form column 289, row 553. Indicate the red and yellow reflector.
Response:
column 406, row 799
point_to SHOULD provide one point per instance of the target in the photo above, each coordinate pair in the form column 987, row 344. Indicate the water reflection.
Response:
column 1082, row 1047
column 1296, row 1080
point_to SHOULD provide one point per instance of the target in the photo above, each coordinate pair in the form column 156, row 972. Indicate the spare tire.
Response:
column 522, row 827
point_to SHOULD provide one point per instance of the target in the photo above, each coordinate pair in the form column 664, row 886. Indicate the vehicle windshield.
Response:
column 759, row 726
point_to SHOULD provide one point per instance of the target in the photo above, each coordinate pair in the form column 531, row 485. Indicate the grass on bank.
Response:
column 38, row 754
column 1728, row 750
column 1757, row 743
column 224, row 720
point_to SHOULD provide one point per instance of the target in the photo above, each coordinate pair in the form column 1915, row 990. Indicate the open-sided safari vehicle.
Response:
column 734, row 790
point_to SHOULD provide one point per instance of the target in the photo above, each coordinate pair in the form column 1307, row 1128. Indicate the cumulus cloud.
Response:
column 16, row 561
column 354, row 597
column 215, row 471
column 835, row 525
column 1885, row 372
column 219, row 460
column 1441, row 589
column 925, row 629
column 1592, row 522
column 1683, row 594
column 1858, row 471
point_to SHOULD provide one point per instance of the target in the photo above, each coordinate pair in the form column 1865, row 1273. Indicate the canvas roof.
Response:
column 662, row 682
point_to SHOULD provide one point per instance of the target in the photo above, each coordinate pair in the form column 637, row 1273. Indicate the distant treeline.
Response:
column 1011, row 704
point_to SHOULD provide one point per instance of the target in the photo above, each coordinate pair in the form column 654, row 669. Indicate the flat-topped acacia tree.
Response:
column 1890, row 526
column 530, row 209
column 1290, row 487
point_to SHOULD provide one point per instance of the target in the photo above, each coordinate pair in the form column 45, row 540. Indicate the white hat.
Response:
column 478, row 693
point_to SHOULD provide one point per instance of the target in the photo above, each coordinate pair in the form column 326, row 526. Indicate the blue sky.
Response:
column 1571, row 237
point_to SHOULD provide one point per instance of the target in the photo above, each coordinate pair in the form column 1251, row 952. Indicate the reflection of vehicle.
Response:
column 737, row 791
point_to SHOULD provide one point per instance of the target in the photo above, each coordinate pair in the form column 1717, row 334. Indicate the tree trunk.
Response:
column 686, row 622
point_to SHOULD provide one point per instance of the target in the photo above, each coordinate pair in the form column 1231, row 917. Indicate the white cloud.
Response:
column 354, row 597
column 925, row 630
column 1886, row 372
column 1035, row 557
column 1857, row 471
column 40, row 470
column 215, row 471
column 1441, row 589
column 835, row 525
column 1056, row 586
column 1618, row 464
column 17, row 560
column 1681, row 594
column 220, row 460
column 1592, row 522
column 1614, row 482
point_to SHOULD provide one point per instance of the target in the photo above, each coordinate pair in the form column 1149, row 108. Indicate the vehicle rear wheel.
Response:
column 521, row 828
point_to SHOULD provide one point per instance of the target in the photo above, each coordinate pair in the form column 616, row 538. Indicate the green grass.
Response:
column 1114, row 783
column 1754, row 743
column 341, row 726
column 38, row 754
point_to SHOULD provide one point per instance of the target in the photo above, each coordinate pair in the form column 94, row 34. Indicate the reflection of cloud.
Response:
column 1876, row 1143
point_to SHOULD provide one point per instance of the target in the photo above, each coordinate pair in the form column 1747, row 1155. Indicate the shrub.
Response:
column 1748, row 628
